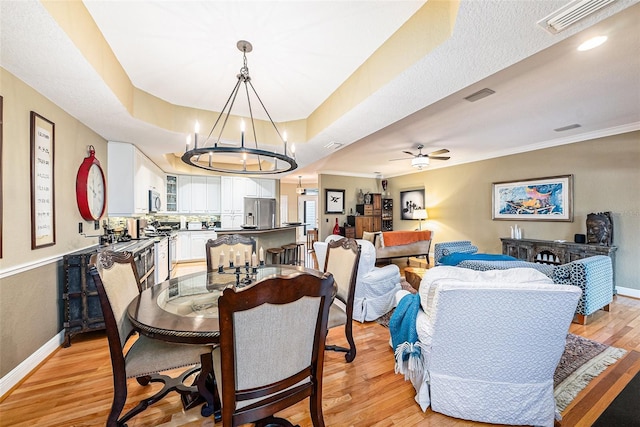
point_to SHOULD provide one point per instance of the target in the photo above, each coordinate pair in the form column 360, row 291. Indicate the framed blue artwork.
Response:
column 539, row 199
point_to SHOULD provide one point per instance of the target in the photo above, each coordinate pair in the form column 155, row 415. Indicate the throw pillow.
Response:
column 369, row 236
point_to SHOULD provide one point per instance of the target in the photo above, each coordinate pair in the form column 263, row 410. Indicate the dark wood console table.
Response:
column 555, row 253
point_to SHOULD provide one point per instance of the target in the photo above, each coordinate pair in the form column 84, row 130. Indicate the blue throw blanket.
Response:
column 457, row 257
column 404, row 338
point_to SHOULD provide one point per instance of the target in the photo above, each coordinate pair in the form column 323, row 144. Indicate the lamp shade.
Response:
column 420, row 214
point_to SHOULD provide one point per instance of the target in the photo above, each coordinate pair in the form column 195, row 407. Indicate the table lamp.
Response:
column 420, row 214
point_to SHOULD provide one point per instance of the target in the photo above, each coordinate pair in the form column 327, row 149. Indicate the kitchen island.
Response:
column 191, row 243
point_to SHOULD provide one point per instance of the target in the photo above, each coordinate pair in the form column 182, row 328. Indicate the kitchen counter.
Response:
column 195, row 240
column 132, row 245
column 244, row 230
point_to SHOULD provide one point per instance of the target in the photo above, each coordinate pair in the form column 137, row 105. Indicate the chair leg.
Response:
column 351, row 351
column 119, row 399
column 170, row 384
column 315, row 408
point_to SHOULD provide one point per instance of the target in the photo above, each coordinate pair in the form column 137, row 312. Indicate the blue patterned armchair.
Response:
column 446, row 248
column 594, row 275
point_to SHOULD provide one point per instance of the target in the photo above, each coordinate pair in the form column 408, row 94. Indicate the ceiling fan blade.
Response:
column 409, row 153
column 435, row 153
column 404, row 158
column 439, row 158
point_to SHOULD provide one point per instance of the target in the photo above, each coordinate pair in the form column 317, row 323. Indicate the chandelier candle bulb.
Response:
column 261, row 254
column 221, row 261
column 254, row 260
column 231, row 257
column 197, row 129
column 238, row 258
column 246, row 256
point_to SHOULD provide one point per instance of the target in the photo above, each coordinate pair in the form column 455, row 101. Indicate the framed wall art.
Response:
column 333, row 201
column 43, row 218
column 538, row 199
column 410, row 201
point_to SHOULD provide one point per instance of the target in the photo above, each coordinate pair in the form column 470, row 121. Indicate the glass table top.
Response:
column 185, row 308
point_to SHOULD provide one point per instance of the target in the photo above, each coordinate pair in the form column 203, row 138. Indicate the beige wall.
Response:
column 352, row 186
column 31, row 280
column 606, row 178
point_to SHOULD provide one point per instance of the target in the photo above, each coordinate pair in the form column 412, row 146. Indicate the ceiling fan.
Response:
column 421, row 160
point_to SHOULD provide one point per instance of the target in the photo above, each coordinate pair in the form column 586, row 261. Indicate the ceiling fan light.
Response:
column 420, row 162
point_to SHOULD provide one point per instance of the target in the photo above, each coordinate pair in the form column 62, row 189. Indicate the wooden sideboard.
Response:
column 555, row 253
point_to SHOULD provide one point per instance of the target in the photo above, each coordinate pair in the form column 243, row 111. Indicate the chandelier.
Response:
column 216, row 155
column 299, row 188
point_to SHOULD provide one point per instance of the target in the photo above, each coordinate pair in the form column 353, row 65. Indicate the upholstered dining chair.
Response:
column 226, row 245
column 342, row 260
column 116, row 280
column 272, row 338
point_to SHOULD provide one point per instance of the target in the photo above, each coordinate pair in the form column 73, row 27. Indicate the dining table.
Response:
column 184, row 310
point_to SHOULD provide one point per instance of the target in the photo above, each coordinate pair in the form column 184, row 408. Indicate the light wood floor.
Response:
column 73, row 387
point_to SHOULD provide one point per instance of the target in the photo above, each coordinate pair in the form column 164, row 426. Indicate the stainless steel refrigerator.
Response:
column 260, row 212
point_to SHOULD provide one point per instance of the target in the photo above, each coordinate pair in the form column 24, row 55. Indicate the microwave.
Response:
column 155, row 205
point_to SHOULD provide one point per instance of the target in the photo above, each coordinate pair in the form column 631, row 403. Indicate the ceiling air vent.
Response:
column 571, row 13
column 482, row 93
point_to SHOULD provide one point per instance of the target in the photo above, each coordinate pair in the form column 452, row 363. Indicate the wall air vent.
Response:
column 571, row 13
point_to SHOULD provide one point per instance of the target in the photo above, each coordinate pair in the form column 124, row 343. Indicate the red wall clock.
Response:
column 91, row 188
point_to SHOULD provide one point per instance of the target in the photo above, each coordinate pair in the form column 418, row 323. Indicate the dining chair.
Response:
column 116, row 280
column 342, row 261
column 228, row 246
column 272, row 338
column 312, row 237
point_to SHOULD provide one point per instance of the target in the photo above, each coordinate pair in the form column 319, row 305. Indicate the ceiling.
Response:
column 375, row 78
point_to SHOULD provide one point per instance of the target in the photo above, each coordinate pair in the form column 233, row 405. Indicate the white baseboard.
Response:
column 30, row 363
column 628, row 292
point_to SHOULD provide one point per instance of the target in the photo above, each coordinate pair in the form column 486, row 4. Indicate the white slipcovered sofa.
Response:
column 375, row 286
column 484, row 346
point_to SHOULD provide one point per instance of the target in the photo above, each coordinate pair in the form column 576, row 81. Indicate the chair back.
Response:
column 228, row 245
column 117, row 283
column 342, row 260
column 272, row 338
column 504, row 339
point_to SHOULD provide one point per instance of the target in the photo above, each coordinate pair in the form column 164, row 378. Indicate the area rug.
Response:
column 582, row 361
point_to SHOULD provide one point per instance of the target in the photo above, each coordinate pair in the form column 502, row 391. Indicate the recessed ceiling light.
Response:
column 592, row 42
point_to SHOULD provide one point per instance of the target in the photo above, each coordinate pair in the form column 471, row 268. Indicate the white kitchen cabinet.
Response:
column 131, row 175
column 199, row 242
column 260, row 187
column 184, row 193
column 191, row 245
column 198, row 194
column 213, row 194
column 184, row 246
column 233, row 190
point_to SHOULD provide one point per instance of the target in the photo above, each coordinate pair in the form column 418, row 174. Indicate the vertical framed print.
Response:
column 334, row 201
column 410, row 201
column 43, row 218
